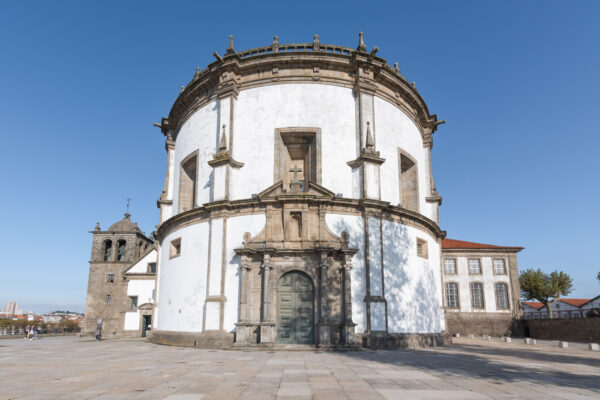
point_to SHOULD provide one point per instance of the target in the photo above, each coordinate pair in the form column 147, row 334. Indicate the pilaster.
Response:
column 324, row 326
column 267, row 324
column 369, row 162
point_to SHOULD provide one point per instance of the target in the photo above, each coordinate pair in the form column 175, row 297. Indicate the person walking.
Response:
column 26, row 332
column 35, row 332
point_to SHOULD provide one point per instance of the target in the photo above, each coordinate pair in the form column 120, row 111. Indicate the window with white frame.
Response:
column 474, row 266
column 450, row 265
column 564, row 314
column 452, row 295
column 476, row 295
column 575, row 314
column 544, row 315
column 502, row 296
column 536, row 315
column 499, row 266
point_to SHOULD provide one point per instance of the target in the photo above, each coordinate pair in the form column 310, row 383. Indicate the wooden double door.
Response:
column 295, row 309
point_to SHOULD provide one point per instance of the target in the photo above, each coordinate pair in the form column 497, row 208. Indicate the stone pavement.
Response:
column 76, row 368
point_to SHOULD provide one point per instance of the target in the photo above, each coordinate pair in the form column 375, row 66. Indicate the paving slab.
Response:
column 75, row 368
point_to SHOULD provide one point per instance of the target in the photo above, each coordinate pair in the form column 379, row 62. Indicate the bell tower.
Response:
column 113, row 252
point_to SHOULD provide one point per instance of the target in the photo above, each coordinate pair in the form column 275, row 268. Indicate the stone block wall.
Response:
column 479, row 324
column 574, row 330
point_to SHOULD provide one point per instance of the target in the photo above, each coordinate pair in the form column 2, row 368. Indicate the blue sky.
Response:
column 82, row 82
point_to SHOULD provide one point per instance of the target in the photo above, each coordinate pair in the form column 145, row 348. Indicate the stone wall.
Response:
column 479, row 324
column 574, row 330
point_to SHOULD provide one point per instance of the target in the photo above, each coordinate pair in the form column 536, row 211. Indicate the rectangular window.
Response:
column 476, row 295
column 133, row 303
column 544, row 315
column 151, row 268
column 409, row 182
column 452, row 295
column 575, row 314
column 422, row 250
column 564, row 314
column 450, row 265
column 474, row 266
column 110, row 278
column 501, row 296
column 108, row 298
column 187, row 183
column 175, row 248
column 499, row 266
column 536, row 316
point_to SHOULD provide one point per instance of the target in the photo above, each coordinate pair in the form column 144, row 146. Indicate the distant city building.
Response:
column 564, row 308
column 11, row 308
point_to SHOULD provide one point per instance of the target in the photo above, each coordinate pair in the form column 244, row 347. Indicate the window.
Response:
column 476, row 295
column 474, row 266
column 499, row 266
column 153, row 294
column 108, row 298
column 151, row 268
column 121, row 256
column 422, row 250
column 450, row 265
column 536, row 315
column 452, row 295
column 409, row 184
column 107, row 250
column 501, row 296
column 110, row 278
column 527, row 315
column 187, row 183
column 544, row 315
column 575, row 314
column 297, row 156
column 175, row 248
column 564, row 314
column 133, row 303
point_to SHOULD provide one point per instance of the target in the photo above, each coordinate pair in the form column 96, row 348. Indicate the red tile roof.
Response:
column 575, row 302
column 534, row 304
column 461, row 244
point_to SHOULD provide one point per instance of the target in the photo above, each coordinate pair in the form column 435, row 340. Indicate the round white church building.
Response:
column 299, row 205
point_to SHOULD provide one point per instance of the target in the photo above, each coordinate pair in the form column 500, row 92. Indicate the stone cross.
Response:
column 128, row 201
column 295, row 170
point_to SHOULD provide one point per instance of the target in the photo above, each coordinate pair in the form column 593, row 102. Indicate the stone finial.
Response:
column 127, row 215
column 97, row 227
column 182, row 89
column 361, row 43
column 396, row 69
column 223, row 141
column 230, row 49
column 316, row 44
column 275, row 44
column 414, row 85
column 197, row 74
column 370, row 145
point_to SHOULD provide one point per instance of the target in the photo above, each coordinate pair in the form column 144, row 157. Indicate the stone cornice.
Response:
column 369, row 207
column 294, row 63
column 483, row 251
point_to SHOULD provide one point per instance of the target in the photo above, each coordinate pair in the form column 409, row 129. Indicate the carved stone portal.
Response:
column 295, row 241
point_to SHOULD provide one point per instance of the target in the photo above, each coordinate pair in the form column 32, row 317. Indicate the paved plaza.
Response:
column 80, row 368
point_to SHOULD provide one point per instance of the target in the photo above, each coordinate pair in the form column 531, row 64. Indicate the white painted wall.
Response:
column 142, row 288
column 182, row 281
column 141, row 267
column 353, row 224
column 199, row 132
column 412, row 283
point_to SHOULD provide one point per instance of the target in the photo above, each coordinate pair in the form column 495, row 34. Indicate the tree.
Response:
column 545, row 288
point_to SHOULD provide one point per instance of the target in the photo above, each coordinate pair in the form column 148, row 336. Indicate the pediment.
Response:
column 278, row 189
column 146, row 307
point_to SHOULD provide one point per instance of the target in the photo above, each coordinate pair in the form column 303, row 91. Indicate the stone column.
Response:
column 267, row 325
column 324, row 326
column 245, row 325
column 348, row 325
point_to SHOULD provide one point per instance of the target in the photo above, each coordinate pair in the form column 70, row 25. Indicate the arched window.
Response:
column 107, row 250
column 502, row 296
column 452, row 295
column 121, row 256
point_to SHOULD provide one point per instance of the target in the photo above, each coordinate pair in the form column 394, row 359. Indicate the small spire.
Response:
column 127, row 215
column 197, row 74
column 316, row 44
column 230, row 49
column 396, row 69
column 361, row 43
column 223, row 141
column 182, row 89
column 275, row 44
column 370, row 142
column 97, row 228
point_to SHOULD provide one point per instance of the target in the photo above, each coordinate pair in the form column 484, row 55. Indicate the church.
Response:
column 298, row 208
